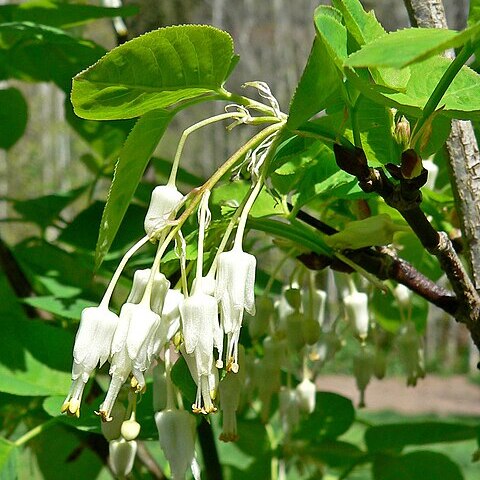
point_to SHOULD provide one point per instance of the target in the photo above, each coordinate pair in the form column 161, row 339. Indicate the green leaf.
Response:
column 45, row 210
column 229, row 194
column 131, row 164
column 423, row 465
column 332, row 452
column 32, row 357
column 169, row 67
column 331, row 33
column 363, row 26
column 460, row 100
column 41, row 53
column 302, row 237
column 66, row 307
column 7, row 459
column 79, row 235
column 60, row 14
column 13, row 117
column 333, row 416
column 317, row 84
column 404, row 47
column 397, row 436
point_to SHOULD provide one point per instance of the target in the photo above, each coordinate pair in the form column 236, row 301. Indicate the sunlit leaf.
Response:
column 164, row 68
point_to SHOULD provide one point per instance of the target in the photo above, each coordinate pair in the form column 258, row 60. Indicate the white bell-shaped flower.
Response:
column 176, row 431
column 201, row 333
column 165, row 199
column 207, row 386
column 235, row 293
column 92, row 347
column 160, row 288
column 170, row 319
column 306, row 392
column 356, row 307
column 122, row 456
column 136, row 330
column 120, row 369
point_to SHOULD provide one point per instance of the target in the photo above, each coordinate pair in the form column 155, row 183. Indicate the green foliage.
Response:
column 404, row 47
column 13, row 116
column 59, row 14
column 355, row 74
column 179, row 65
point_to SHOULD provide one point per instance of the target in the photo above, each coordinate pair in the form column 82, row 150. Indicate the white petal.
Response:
column 165, row 199
column 94, row 337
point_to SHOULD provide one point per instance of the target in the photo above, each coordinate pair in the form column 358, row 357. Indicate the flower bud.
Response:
column 306, row 392
column 294, row 331
column 411, row 354
column 122, row 456
column 259, row 323
column 311, row 331
column 293, row 296
column 380, row 363
column 402, row 133
column 176, row 430
column 362, row 370
column 165, row 199
column 130, row 429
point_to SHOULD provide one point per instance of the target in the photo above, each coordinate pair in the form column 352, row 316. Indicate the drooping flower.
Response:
column 201, row 333
column 160, row 288
column 170, row 319
column 306, row 391
column 235, row 293
column 92, row 347
column 176, row 431
column 132, row 350
column 356, row 306
column 165, row 199
column 230, row 390
column 122, row 456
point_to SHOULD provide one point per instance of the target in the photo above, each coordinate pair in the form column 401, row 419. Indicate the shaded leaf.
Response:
column 333, row 415
column 164, row 68
column 42, row 53
column 13, row 116
column 398, row 436
column 422, row 465
column 60, row 14
column 45, row 210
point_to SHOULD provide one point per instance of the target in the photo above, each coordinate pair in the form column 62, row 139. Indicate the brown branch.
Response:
column 461, row 147
column 384, row 264
column 404, row 195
